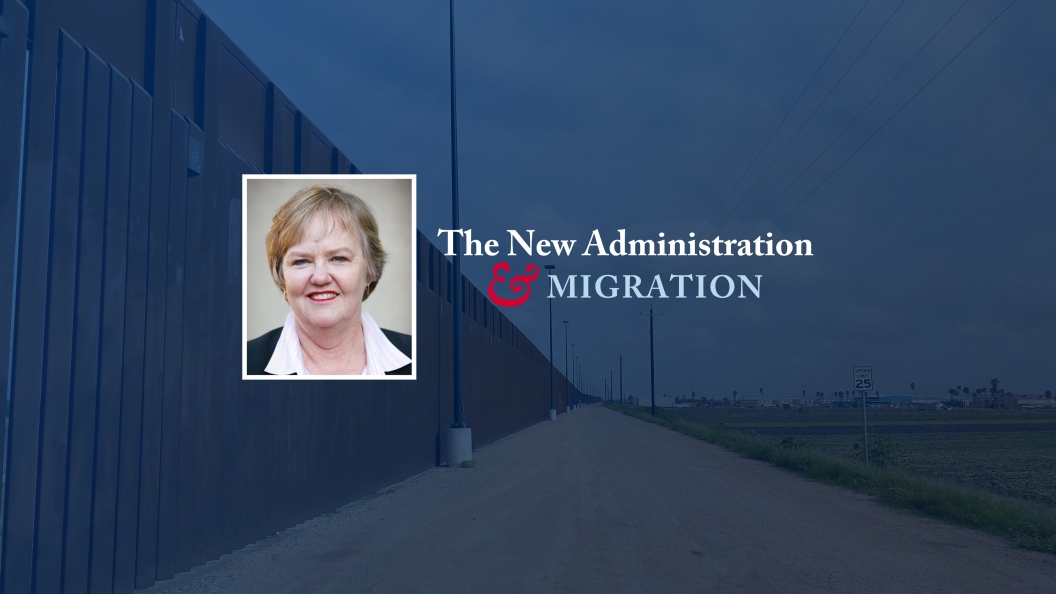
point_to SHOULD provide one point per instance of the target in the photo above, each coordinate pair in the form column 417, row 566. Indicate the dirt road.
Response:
column 600, row 502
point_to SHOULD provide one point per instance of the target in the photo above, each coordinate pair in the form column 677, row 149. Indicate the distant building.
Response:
column 1037, row 401
column 888, row 400
column 870, row 401
column 995, row 402
column 665, row 401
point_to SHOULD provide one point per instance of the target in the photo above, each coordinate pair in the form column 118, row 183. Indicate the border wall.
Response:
column 133, row 450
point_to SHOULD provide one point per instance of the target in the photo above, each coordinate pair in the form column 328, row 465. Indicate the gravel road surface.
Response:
column 601, row 502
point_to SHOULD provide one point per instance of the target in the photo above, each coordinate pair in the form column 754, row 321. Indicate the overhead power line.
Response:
column 782, row 122
column 811, row 116
column 877, row 131
column 788, row 113
column 862, row 111
column 882, row 126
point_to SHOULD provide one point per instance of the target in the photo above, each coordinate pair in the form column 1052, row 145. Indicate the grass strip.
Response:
column 794, row 423
column 1027, row 525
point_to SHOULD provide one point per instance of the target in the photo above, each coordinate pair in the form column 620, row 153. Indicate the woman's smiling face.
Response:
column 325, row 275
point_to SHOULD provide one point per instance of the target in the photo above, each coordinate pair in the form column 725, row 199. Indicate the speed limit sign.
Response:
column 863, row 378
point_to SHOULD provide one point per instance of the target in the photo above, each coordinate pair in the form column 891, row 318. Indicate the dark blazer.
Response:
column 260, row 349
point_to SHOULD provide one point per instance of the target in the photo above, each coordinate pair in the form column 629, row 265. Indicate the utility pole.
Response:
column 621, row 378
column 552, row 413
column 652, row 374
column 611, row 391
column 459, row 437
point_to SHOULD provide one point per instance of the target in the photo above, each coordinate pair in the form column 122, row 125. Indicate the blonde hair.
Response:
column 345, row 209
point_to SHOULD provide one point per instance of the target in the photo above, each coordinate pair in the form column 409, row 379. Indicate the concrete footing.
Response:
column 553, row 414
column 459, row 445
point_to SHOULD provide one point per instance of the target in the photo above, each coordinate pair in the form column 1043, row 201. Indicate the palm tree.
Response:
column 735, row 396
column 993, row 386
column 913, row 387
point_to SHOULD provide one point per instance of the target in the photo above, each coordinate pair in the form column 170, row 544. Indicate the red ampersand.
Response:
column 515, row 284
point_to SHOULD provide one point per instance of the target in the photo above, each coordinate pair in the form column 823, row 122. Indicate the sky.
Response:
column 925, row 185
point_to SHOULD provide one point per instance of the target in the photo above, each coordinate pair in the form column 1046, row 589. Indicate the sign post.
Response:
column 863, row 382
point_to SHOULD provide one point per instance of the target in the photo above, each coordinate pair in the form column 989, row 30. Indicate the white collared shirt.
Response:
column 382, row 355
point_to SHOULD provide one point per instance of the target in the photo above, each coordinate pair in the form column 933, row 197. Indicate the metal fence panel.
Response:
column 12, row 78
column 133, row 397
column 60, row 299
column 170, row 418
column 87, row 326
column 108, row 413
column 27, row 360
column 160, row 82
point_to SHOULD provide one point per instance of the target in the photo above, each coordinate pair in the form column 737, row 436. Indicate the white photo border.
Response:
column 414, row 272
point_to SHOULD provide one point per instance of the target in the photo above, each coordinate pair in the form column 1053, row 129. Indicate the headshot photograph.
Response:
column 328, row 276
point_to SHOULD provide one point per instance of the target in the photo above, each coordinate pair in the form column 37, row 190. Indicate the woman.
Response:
column 326, row 258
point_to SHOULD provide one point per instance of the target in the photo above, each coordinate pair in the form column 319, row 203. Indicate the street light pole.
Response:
column 553, row 411
column 621, row 378
column 459, row 437
column 572, row 378
column 568, row 384
column 579, row 381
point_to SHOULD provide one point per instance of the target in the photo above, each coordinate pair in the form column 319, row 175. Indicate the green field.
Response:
column 1021, row 464
column 984, row 476
column 820, row 415
column 1016, row 463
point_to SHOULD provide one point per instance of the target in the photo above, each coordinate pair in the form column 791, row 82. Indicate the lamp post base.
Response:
column 553, row 414
column 459, row 446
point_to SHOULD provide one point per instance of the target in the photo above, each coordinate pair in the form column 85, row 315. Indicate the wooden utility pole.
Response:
column 652, row 373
